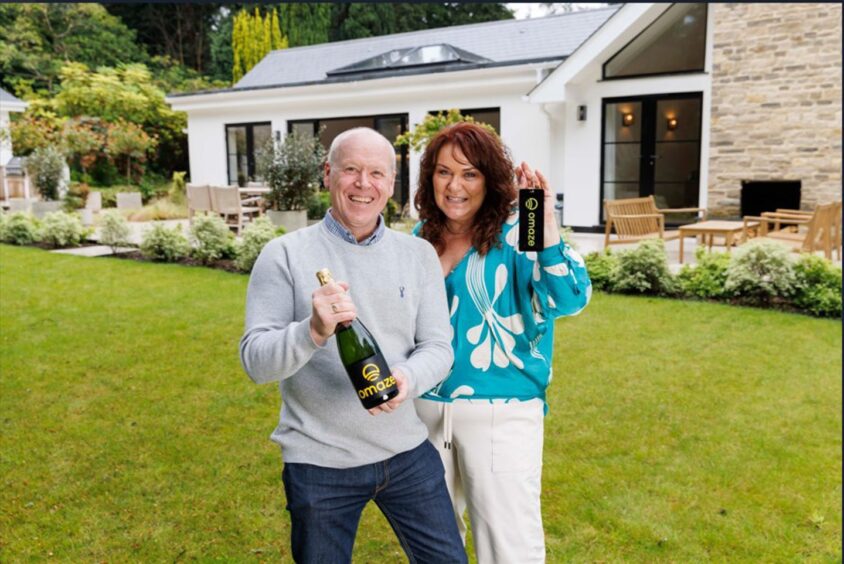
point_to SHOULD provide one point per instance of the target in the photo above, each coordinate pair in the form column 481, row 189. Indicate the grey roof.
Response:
column 7, row 97
column 502, row 42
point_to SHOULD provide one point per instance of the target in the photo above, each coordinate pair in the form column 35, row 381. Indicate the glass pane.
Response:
column 677, row 162
column 623, row 122
column 232, row 169
column 621, row 162
column 260, row 135
column 235, row 140
column 613, row 191
column 677, row 195
column 492, row 117
column 675, row 42
column 306, row 128
column 678, row 120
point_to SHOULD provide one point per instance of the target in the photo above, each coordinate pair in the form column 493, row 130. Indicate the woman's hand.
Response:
column 528, row 178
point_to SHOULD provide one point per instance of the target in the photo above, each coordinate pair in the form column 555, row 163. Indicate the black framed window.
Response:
column 388, row 125
column 242, row 141
column 674, row 43
column 489, row 116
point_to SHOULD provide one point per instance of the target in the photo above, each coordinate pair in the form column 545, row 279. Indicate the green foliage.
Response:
column 305, row 23
column 37, row 39
column 20, row 228
column 130, row 144
column 759, row 271
column 706, row 279
column 253, row 36
column 77, row 194
column 114, row 229
column 211, row 238
column 163, row 244
column 817, row 286
column 319, row 204
column 62, row 229
column 178, row 189
column 292, row 169
column 253, row 239
column 84, row 141
column 45, row 166
column 419, row 137
column 644, row 270
column 391, row 212
column 32, row 131
column 602, row 267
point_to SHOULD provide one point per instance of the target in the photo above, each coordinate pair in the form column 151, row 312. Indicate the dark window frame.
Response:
column 643, row 98
column 250, row 148
column 464, row 111
column 604, row 76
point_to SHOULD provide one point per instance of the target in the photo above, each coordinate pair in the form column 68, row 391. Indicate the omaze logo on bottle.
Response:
column 371, row 372
column 384, row 384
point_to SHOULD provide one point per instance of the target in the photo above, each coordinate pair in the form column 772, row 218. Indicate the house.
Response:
column 735, row 107
column 17, row 185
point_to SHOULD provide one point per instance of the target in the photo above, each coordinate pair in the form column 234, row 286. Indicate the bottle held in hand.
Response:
column 360, row 355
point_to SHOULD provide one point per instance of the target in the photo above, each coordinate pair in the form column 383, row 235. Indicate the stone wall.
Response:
column 776, row 100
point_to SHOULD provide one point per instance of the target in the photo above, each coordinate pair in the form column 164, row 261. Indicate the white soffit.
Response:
column 615, row 33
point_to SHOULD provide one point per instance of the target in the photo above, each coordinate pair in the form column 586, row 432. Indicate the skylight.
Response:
column 428, row 55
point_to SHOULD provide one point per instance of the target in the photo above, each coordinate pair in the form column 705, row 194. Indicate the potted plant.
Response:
column 47, row 169
column 292, row 170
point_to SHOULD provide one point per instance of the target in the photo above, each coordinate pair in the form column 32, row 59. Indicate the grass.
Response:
column 678, row 431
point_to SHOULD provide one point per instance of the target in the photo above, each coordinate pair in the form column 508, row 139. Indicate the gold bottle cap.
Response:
column 324, row 276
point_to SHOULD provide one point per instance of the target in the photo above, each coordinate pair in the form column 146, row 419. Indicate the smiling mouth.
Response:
column 456, row 200
column 361, row 199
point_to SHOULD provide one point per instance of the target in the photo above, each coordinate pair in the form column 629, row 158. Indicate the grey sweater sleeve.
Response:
column 432, row 358
column 274, row 346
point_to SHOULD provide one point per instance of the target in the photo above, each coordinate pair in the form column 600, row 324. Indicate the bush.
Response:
column 211, row 238
column 77, row 194
column 759, row 271
column 706, row 279
column 162, row 244
column 252, row 241
column 159, row 209
column 114, row 230
column 62, row 229
column 45, row 165
column 178, row 189
column 319, row 204
column 602, row 267
column 817, row 286
column 292, row 169
column 391, row 212
column 644, row 270
column 20, row 229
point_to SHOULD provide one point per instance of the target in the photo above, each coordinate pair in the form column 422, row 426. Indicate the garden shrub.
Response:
column 252, row 241
column 159, row 209
column 319, row 204
column 391, row 212
column 644, row 270
column 210, row 238
column 20, row 229
column 759, row 271
column 706, row 279
column 45, row 165
column 62, row 229
column 163, row 244
column 178, row 193
column 817, row 286
column 602, row 267
column 114, row 229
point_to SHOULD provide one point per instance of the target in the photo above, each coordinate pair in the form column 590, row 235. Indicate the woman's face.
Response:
column 459, row 187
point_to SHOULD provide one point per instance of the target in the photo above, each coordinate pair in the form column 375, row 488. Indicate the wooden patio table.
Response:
column 709, row 229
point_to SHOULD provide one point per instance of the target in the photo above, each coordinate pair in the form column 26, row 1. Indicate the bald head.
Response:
column 361, row 135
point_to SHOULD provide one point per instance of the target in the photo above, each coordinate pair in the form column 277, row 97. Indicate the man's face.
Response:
column 361, row 183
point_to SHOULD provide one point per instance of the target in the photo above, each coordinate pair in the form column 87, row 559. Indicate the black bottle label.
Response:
column 373, row 381
column 531, row 219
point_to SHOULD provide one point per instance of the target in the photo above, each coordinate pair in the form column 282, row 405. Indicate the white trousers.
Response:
column 493, row 469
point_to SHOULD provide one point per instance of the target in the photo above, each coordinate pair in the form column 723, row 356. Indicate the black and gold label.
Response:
column 531, row 219
column 372, row 380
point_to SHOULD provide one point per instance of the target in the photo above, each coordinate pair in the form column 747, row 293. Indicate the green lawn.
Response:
column 678, row 431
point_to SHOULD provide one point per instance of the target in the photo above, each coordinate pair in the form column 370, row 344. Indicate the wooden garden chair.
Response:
column 199, row 200
column 813, row 233
column 836, row 223
column 226, row 202
column 634, row 219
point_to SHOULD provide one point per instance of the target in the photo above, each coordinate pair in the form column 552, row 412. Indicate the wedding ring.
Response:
column 334, row 308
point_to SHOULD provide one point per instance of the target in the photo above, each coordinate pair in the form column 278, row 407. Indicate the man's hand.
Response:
column 330, row 305
column 388, row 407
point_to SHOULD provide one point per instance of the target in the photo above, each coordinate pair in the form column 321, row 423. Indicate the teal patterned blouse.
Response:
column 502, row 309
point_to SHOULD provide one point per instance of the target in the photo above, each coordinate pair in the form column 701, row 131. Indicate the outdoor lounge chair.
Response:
column 226, row 202
column 813, row 233
column 199, row 200
column 634, row 219
column 836, row 223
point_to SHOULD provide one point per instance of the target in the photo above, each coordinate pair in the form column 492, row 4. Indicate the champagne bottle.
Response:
column 360, row 355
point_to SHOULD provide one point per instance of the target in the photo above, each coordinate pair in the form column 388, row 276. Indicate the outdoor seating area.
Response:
column 235, row 205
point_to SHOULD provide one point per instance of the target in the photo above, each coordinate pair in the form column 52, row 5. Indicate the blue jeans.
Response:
column 325, row 506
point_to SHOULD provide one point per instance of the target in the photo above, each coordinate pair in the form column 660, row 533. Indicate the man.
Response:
column 337, row 456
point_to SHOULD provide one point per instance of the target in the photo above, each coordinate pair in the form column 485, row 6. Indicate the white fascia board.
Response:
column 477, row 80
column 14, row 106
column 620, row 28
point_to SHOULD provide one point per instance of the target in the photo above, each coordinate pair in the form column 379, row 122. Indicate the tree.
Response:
column 130, row 144
column 304, row 23
column 37, row 39
column 421, row 135
column 253, row 36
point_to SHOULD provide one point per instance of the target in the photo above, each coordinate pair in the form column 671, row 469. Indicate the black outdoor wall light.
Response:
column 627, row 119
column 672, row 123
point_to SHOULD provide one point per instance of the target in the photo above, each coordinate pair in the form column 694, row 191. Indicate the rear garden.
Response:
column 679, row 430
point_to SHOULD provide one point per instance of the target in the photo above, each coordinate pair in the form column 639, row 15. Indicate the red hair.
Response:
column 484, row 151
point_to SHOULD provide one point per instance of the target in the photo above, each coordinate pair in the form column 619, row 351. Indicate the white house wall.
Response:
column 5, row 142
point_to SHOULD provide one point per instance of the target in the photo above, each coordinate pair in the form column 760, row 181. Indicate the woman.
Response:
column 486, row 417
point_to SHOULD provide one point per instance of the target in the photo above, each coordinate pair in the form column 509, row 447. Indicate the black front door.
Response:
column 651, row 146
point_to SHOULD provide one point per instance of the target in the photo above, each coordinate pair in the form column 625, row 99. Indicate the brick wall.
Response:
column 776, row 100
